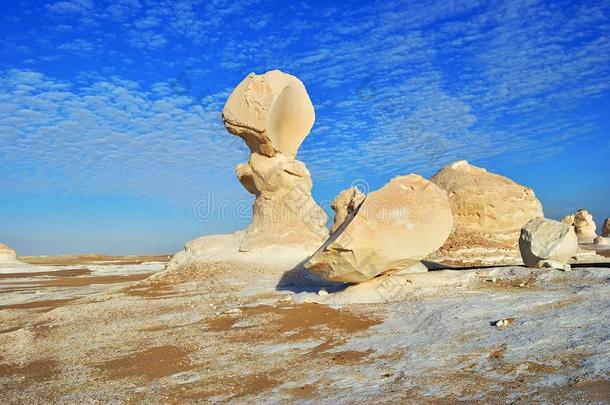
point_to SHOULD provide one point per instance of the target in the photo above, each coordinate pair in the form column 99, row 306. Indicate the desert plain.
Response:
column 443, row 290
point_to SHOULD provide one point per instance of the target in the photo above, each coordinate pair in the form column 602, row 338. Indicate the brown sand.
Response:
column 91, row 259
column 50, row 304
column 56, row 273
column 81, row 281
column 152, row 363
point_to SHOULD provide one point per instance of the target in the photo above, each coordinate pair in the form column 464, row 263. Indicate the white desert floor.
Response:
column 223, row 332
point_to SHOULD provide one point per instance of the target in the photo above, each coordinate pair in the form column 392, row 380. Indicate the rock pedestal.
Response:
column 273, row 114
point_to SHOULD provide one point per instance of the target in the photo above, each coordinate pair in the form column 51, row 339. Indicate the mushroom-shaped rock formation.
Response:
column 394, row 228
column 584, row 226
column 6, row 253
column 547, row 243
column 273, row 114
column 345, row 204
column 606, row 228
column 489, row 211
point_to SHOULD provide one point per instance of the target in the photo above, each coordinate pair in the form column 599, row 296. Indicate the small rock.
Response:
column 504, row 322
column 322, row 292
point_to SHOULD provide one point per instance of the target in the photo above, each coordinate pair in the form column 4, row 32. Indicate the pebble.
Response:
column 322, row 291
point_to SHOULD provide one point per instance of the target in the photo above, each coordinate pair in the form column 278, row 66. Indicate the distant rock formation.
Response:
column 489, row 211
column 392, row 229
column 345, row 204
column 602, row 240
column 584, row 226
column 273, row 114
column 606, row 228
column 6, row 253
column 547, row 243
column 568, row 220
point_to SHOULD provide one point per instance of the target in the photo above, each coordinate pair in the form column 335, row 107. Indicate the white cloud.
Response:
column 70, row 6
column 107, row 138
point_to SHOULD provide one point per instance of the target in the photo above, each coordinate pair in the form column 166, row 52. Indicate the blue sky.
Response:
column 110, row 128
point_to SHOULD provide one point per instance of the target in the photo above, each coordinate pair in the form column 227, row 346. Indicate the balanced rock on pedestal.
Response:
column 547, row 243
column 273, row 114
column 394, row 228
column 489, row 211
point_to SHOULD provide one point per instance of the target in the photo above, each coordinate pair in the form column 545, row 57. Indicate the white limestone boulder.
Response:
column 547, row 243
column 393, row 229
column 489, row 211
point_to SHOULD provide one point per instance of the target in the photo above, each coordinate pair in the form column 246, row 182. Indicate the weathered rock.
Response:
column 568, row 220
column 273, row 114
column 584, row 226
column 545, row 242
column 6, row 253
column 489, row 211
column 345, row 204
column 394, row 228
column 602, row 240
column 606, row 228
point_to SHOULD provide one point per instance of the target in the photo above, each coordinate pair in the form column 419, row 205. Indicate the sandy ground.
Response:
column 235, row 333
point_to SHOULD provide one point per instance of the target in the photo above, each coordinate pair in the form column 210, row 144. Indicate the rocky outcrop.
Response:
column 345, row 204
column 606, row 228
column 547, row 243
column 584, row 226
column 489, row 211
column 394, row 228
column 6, row 253
column 273, row 114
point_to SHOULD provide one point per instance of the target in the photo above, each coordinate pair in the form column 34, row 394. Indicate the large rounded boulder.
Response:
column 392, row 229
column 489, row 211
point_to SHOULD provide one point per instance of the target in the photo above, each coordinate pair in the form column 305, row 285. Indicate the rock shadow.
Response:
column 299, row 280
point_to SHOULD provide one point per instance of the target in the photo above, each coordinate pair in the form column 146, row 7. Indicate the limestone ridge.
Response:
column 273, row 114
